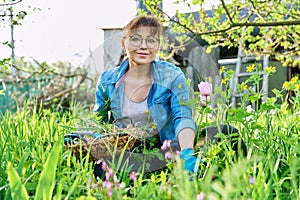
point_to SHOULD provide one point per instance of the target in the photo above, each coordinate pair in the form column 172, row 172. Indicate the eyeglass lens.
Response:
column 137, row 41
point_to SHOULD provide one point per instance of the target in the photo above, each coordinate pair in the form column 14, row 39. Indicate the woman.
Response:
column 148, row 92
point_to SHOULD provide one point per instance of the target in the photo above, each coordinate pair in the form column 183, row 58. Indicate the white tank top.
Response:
column 137, row 111
column 139, row 114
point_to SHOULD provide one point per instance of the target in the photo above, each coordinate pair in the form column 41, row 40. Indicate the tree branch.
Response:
column 171, row 19
column 11, row 3
column 232, row 24
column 248, row 24
column 66, row 91
column 226, row 10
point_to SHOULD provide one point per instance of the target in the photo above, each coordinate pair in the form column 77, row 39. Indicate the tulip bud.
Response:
column 205, row 89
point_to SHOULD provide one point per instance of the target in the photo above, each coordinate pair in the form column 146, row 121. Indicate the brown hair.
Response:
column 144, row 21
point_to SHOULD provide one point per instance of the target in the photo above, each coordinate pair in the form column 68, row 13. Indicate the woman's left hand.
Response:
column 190, row 160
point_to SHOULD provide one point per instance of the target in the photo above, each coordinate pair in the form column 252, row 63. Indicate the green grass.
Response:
column 35, row 165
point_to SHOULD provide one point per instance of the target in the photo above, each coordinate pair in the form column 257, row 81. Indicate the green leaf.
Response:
column 47, row 178
column 22, row 161
column 18, row 191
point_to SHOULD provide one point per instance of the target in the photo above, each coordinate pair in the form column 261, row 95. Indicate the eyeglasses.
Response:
column 137, row 40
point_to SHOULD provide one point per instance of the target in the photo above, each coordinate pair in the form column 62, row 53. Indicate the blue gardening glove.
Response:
column 190, row 160
column 80, row 135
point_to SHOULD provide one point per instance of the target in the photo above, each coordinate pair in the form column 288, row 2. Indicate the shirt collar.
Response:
column 121, row 72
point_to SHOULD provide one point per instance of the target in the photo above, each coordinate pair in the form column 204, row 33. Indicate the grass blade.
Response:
column 47, row 179
column 18, row 191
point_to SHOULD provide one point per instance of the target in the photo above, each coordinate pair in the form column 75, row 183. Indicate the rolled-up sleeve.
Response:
column 99, row 96
column 181, row 112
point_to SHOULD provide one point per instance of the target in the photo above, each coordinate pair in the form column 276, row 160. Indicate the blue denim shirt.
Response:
column 164, row 100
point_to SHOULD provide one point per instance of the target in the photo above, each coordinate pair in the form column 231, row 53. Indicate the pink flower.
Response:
column 205, row 89
column 201, row 196
column 103, row 166
column 251, row 180
column 109, row 173
column 108, row 185
column 161, row 187
column 116, row 180
column 121, row 185
column 132, row 176
column 168, row 155
column 107, row 176
column 166, row 144
column 110, row 193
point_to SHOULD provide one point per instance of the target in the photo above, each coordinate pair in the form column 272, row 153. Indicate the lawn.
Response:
column 35, row 164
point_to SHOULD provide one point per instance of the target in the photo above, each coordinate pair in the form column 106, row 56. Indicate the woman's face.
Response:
column 141, row 46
